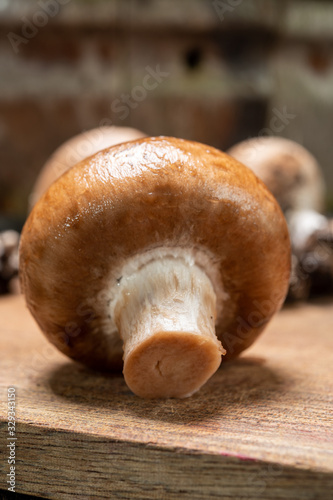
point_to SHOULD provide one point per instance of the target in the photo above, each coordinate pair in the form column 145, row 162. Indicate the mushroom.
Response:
column 77, row 149
column 314, row 273
column 289, row 171
column 155, row 251
column 294, row 177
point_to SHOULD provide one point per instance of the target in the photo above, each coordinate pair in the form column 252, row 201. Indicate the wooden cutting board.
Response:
column 262, row 427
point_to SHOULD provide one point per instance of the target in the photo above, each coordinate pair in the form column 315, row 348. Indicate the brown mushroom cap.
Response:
column 135, row 202
column 289, row 171
column 77, row 149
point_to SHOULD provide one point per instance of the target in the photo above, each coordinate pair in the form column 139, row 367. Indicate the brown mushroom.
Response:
column 158, row 249
column 77, row 149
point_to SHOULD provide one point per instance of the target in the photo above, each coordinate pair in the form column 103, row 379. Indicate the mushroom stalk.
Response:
column 303, row 224
column 165, row 313
column 312, row 270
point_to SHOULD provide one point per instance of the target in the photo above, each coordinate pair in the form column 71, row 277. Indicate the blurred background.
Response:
column 212, row 71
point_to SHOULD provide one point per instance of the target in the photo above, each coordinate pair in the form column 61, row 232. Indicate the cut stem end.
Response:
column 166, row 317
column 171, row 365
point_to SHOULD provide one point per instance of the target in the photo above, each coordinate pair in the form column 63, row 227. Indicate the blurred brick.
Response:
column 304, row 86
column 225, row 77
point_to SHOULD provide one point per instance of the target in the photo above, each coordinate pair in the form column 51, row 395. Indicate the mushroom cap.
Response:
column 154, row 196
column 75, row 150
column 289, row 171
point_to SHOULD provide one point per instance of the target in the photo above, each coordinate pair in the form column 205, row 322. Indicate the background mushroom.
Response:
column 289, row 171
column 156, row 251
column 75, row 150
column 294, row 177
column 67, row 155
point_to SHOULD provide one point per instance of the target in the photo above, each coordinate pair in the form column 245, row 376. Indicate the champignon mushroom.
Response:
column 294, row 177
column 289, row 171
column 77, row 149
column 315, row 264
column 161, row 248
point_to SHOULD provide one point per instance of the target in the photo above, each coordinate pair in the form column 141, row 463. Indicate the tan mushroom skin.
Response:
column 289, row 171
column 77, row 149
column 156, row 255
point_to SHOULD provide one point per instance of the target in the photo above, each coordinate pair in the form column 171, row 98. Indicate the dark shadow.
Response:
column 7, row 495
column 237, row 384
column 193, row 58
column 318, row 300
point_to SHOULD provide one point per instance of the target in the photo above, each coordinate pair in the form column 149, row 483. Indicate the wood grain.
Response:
column 260, row 428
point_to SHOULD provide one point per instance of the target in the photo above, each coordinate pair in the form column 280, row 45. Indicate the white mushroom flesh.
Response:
column 165, row 312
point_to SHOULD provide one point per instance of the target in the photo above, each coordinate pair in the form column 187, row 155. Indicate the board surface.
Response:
column 262, row 427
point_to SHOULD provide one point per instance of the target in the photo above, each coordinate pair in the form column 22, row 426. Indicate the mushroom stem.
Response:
column 165, row 314
column 302, row 225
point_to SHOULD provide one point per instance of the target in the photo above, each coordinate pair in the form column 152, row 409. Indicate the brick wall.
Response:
column 222, row 69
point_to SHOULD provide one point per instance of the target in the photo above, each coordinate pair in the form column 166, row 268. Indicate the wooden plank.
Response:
column 260, row 428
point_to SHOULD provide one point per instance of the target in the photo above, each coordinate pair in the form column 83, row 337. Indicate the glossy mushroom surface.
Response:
column 77, row 149
column 164, row 251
